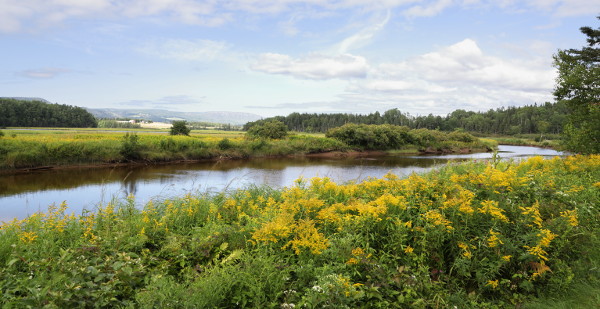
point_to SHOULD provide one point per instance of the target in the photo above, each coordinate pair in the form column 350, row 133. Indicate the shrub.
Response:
column 461, row 136
column 225, row 144
column 372, row 137
column 130, row 147
column 180, row 128
column 271, row 129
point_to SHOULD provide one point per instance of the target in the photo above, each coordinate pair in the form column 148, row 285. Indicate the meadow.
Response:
column 493, row 234
column 22, row 149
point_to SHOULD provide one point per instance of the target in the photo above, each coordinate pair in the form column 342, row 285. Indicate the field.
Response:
column 477, row 235
column 33, row 148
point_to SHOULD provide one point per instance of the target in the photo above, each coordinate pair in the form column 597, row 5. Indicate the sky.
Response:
column 270, row 57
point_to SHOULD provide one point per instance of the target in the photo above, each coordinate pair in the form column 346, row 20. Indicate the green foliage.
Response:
column 130, row 146
column 476, row 235
column 225, row 144
column 20, row 113
column 578, row 86
column 273, row 129
column 505, row 120
column 180, row 128
column 386, row 137
column 1, row 133
column 372, row 137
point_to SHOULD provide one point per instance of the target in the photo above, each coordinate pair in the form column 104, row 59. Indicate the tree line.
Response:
column 22, row 113
column 531, row 119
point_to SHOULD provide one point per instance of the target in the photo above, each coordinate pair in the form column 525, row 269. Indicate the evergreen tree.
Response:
column 578, row 86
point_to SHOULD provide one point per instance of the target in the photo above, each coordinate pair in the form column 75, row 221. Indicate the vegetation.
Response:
column 272, row 129
column 180, row 128
column 23, row 113
column 535, row 119
column 476, row 235
column 30, row 149
column 578, row 86
column 33, row 149
column 387, row 137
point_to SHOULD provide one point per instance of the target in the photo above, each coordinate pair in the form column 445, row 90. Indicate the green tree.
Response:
column 180, row 128
column 270, row 129
column 578, row 86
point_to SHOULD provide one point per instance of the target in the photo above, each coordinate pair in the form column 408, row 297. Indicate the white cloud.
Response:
column 364, row 36
column 313, row 66
column 35, row 15
column 428, row 9
column 186, row 50
column 44, row 73
column 461, row 75
column 464, row 63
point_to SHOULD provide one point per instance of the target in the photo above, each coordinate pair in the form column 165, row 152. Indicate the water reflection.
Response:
column 24, row 194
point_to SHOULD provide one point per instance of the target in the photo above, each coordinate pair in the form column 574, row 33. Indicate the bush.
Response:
column 180, row 128
column 1, row 134
column 372, row 137
column 271, row 129
column 130, row 147
column 225, row 144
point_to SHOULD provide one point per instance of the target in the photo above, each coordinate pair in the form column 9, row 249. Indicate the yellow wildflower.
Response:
column 537, row 251
column 307, row 236
column 547, row 237
column 28, row 237
column 408, row 249
column 492, row 283
column 534, row 213
column 491, row 208
column 352, row 261
column 507, row 258
column 493, row 240
column 571, row 216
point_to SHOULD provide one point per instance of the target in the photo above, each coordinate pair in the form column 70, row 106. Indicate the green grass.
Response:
column 21, row 149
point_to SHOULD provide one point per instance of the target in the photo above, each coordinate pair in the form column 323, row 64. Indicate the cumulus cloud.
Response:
column 44, row 73
column 314, row 66
column 461, row 75
column 185, row 50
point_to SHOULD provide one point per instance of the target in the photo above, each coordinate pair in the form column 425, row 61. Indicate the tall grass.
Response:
column 477, row 235
column 29, row 149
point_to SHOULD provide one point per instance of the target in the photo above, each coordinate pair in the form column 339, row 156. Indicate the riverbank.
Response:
column 24, row 151
column 492, row 234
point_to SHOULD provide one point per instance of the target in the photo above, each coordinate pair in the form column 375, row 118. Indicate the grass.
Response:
column 21, row 149
column 477, row 235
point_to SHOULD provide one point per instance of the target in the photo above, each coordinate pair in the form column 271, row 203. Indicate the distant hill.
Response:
column 234, row 118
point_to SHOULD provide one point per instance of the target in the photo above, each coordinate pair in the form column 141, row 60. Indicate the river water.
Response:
column 24, row 194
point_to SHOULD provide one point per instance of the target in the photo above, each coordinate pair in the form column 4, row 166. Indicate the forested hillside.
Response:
column 546, row 118
column 24, row 113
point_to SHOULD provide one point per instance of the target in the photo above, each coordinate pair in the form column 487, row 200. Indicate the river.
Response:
column 24, row 194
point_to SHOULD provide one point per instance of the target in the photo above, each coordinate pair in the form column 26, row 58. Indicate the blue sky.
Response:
column 277, row 57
